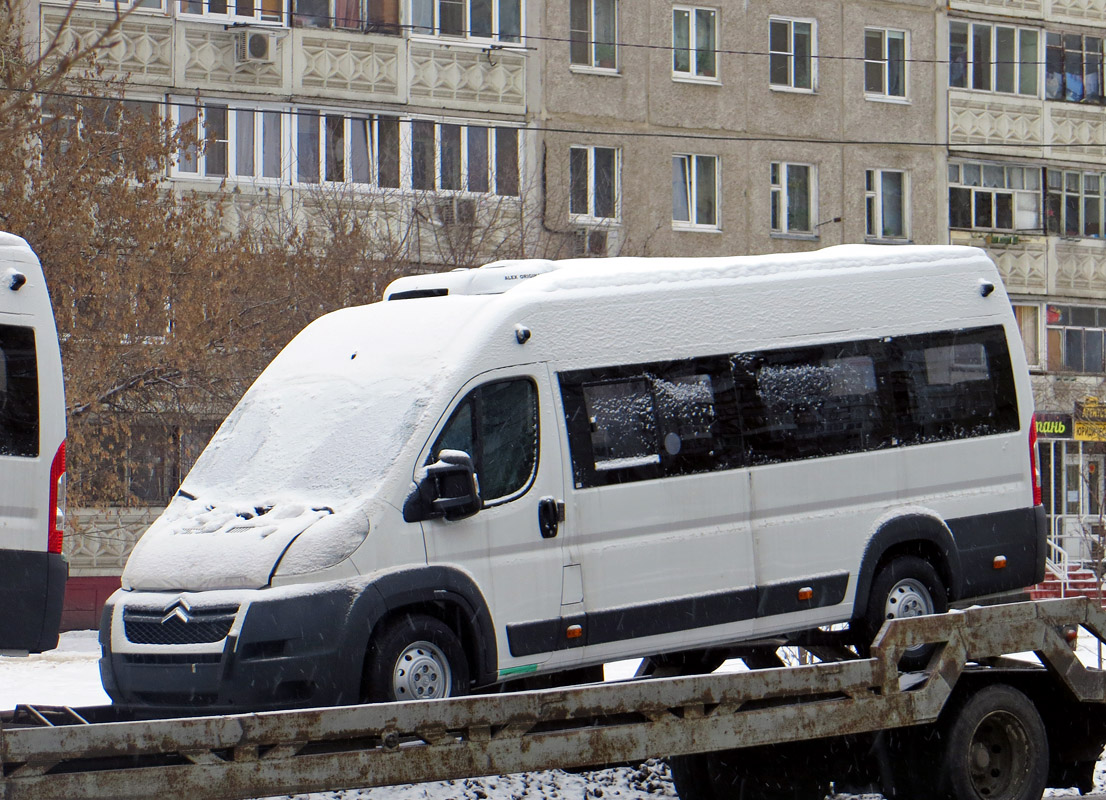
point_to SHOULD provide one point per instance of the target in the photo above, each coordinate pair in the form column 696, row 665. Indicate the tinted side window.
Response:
column 496, row 424
column 955, row 385
column 18, row 392
column 650, row 420
column 814, row 401
column 623, row 423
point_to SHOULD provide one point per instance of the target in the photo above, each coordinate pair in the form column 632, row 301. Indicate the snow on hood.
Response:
column 306, row 449
column 193, row 546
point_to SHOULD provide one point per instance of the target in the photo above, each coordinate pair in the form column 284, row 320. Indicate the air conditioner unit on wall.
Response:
column 254, row 47
column 591, row 242
column 459, row 211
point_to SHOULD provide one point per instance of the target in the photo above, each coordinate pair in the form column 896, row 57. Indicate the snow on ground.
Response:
column 70, row 676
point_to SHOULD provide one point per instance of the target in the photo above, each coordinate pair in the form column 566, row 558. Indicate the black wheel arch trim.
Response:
column 395, row 591
column 904, row 530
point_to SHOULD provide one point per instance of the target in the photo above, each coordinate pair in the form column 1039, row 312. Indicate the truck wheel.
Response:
column 995, row 748
column 908, row 586
column 691, row 777
column 794, row 771
column 416, row 657
column 689, row 662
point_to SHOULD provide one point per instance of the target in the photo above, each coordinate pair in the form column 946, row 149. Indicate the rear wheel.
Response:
column 415, row 657
column 908, row 586
column 691, row 777
column 995, row 748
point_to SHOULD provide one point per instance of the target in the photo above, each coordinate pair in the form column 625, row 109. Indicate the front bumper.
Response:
column 280, row 649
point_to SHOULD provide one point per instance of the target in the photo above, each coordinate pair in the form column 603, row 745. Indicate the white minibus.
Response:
column 535, row 467
column 33, row 570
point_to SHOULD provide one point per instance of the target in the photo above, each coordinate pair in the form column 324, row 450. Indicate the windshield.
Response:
column 323, row 439
column 331, row 413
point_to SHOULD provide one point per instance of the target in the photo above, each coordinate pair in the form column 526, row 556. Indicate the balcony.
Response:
column 1082, row 12
column 157, row 51
column 1044, row 264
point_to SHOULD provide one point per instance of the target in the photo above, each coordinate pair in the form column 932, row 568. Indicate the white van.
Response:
column 534, row 467
column 32, row 456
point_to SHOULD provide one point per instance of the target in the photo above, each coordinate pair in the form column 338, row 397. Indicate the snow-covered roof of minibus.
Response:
column 582, row 274
column 585, row 273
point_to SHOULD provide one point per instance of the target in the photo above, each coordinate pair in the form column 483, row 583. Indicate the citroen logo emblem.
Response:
column 179, row 610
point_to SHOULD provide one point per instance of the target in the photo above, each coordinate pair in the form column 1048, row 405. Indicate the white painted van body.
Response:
column 32, row 455
column 671, row 497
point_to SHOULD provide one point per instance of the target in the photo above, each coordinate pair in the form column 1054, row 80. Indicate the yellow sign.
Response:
column 1090, row 409
column 1090, row 431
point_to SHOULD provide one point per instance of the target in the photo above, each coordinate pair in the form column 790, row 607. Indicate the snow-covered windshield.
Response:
column 319, row 440
column 330, row 415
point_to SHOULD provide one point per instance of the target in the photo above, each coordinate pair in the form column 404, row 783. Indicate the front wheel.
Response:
column 415, row 657
column 908, row 586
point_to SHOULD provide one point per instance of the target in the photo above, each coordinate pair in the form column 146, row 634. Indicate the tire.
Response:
column 994, row 748
column 908, row 586
column 691, row 777
column 794, row 771
column 688, row 662
column 415, row 657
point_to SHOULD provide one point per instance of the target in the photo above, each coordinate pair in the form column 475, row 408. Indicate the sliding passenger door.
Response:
column 658, row 505
column 823, row 466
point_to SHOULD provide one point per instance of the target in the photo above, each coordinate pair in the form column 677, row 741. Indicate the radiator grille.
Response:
column 196, row 626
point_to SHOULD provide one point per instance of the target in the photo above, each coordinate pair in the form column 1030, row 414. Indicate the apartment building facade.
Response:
column 742, row 127
column 1026, row 177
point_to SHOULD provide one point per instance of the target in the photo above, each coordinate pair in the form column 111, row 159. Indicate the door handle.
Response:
column 550, row 515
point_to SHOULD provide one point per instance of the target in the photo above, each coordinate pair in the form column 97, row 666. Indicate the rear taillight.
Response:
column 57, row 502
column 1034, row 460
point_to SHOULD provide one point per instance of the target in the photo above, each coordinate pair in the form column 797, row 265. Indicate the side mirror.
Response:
column 448, row 488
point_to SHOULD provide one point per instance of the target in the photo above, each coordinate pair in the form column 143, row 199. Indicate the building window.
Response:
column 464, row 158
column 150, row 5
column 382, row 15
column 476, row 19
column 1075, row 338
column 236, row 10
column 593, row 183
column 994, row 197
column 593, row 33
column 885, row 63
column 791, row 60
column 885, row 202
column 1029, row 325
column 993, row 58
column 335, row 148
column 360, row 151
column 693, row 42
column 206, row 127
column 1073, row 67
column 695, row 191
column 233, row 142
column 1073, row 203
column 258, row 143
column 793, row 198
